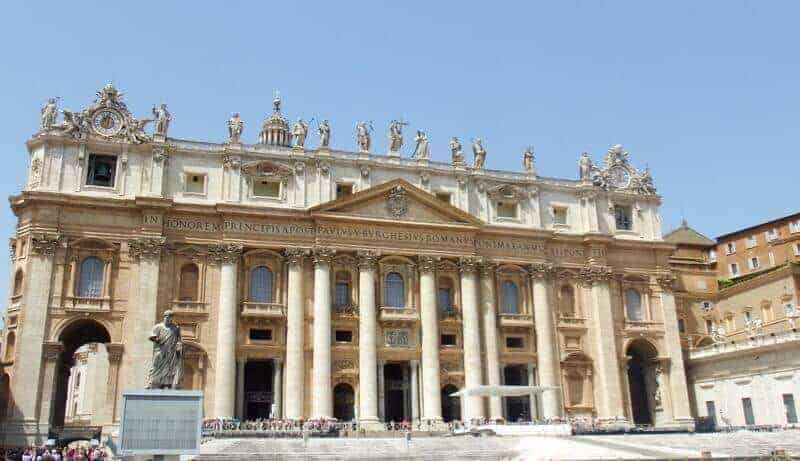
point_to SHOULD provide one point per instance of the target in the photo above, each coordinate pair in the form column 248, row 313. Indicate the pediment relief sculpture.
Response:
column 263, row 169
column 507, row 192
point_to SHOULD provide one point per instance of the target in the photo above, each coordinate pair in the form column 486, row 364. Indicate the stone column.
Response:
column 159, row 167
column 367, row 340
column 295, row 334
column 534, row 409
column 679, row 394
column 115, row 351
column 473, row 374
column 546, row 341
column 322, row 395
column 147, row 251
column 414, row 390
column 381, row 391
column 431, row 386
column 277, row 391
column 596, row 278
column 489, row 310
column 240, row 364
column 227, row 256
column 31, row 334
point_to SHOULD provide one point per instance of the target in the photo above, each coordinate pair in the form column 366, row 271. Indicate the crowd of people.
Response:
column 274, row 428
column 43, row 453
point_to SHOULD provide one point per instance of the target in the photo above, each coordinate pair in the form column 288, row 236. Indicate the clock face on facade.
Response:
column 619, row 177
column 107, row 122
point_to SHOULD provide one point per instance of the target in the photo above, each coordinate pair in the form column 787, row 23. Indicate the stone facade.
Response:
column 317, row 282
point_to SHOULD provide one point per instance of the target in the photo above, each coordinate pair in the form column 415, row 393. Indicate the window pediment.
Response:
column 263, row 169
column 507, row 193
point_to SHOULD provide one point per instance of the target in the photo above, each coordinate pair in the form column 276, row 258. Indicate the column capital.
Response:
column 367, row 259
column 146, row 247
column 115, row 351
column 225, row 253
column 52, row 351
column 322, row 255
column 469, row 264
column 295, row 255
column 541, row 271
column 592, row 274
column 487, row 269
column 666, row 281
column 46, row 244
column 427, row 263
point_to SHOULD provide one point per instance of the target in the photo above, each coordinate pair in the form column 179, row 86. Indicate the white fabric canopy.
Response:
column 502, row 391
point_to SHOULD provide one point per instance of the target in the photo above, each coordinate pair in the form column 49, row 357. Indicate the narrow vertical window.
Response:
column 190, row 276
column 633, row 305
column 394, row 290
column 90, row 283
column 261, row 285
column 510, row 298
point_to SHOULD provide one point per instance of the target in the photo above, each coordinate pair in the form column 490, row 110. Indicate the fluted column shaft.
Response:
column 414, row 390
column 227, row 256
column 277, row 391
column 367, row 341
column 295, row 334
column 545, row 340
column 489, row 309
column 473, row 374
column 322, row 396
column 432, row 399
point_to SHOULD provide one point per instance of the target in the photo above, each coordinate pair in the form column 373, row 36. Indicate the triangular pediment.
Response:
column 397, row 201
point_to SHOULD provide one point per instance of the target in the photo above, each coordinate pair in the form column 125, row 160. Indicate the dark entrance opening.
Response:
column 344, row 399
column 257, row 389
column 396, row 392
column 85, row 331
column 517, row 408
column 640, row 365
column 451, row 406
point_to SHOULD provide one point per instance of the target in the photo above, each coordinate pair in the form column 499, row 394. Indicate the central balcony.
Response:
column 576, row 323
column 516, row 320
column 398, row 314
column 263, row 310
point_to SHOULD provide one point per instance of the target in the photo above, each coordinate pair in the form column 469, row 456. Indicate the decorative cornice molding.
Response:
column 323, row 255
column 666, row 281
column 225, row 253
column 46, row 244
column 115, row 351
column 148, row 247
column 592, row 274
column 488, row 269
column 367, row 260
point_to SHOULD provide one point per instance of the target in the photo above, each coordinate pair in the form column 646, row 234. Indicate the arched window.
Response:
column 567, row 301
column 633, row 305
column 395, row 290
column 261, row 285
column 90, row 284
column 18, row 283
column 510, row 298
column 190, row 276
column 445, row 295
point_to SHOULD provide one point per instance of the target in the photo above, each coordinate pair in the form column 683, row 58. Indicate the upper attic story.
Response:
column 104, row 150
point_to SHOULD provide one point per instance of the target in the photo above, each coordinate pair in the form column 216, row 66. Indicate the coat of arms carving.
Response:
column 397, row 201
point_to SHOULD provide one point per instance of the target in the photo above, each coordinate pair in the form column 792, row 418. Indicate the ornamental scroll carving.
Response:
column 265, row 170
column 344, row 365
column 226, row 253
column 45, row 244
column 427, row 263
column 367, row 260
column 506, row 192
column 591, row 274
column 295, row 255
column 666, row 281
column 541, row 270
column 468, row 264
column 487, row 269
column 149, row 248
column 323, row 255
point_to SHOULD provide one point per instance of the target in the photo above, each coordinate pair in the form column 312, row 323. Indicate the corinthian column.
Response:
column 545, row 340
column 227, row 256
column 473, row 375
column 367, row 342
column 431, row 392
column 322, row 395
column 295, row 333
column 490, row 338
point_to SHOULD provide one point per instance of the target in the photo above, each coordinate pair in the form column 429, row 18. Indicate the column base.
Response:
column 434, row 425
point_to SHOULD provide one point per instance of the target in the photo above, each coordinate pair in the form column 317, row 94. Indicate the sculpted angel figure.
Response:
column 49, row 113
column 135, row 131
column 395, row 136
column 456, row 153
column 479, row 154
column 421, row 151
column 527, row 159
column 235, row 128
column 362, row 136
column 166, row 370
column 300, row 132
column 324, row 131
column 73, row 123
column 162, row 117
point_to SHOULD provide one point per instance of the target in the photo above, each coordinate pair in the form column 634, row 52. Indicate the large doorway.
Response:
column 451, row 406
column 641, row 355
column 397, row 399
column 344, row 401
column 257, row 389
column 518, row 408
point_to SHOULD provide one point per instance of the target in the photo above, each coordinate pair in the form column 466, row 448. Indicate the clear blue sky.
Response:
column 706, row 93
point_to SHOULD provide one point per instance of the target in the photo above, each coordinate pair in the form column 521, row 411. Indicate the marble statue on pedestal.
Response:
column 300, row 132
column 235, row 128
column 585, row 167
column 456, row 152
column 421, row 151
column 162, row 117
column 362, row 136
column 49, row 113
column 395, row 135
column 527, row 160
column 479, row 154
column 166, row 370
column 324, row 131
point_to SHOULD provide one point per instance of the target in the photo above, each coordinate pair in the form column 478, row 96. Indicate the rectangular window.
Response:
column 101, row 170
column 730, row 248
column 771, row 234
column 514, row 342
column 791, row 410
column 344, row 336
column 195, row 183
column 560, row 216
column 445, row 300
column 747, row 407
column 344, row 190
column 771, row 256
column 734, row 269
column 342, row 295
column 506, row 210
column 448, row 340
column 754, row 263
column 712, row 255
column 443, row 196
column 797, row 249
column 794, row 226
column 622, row 217
column 265, row 188
column 751, row 241
column 260, row 334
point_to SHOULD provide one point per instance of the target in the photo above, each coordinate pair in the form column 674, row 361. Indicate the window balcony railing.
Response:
column 87, row 304
column 188, row 307
column 398, row 314
column 263, row 310
column 450, row 314
column 515, row 320
column 345, row 310
column 642, row 325
column 571, row 322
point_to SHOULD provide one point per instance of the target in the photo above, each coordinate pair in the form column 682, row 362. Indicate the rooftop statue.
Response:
column 235, row 128
column 527, row 160
column 300, row 131
column 162, row 118
column 479, row 153
column 396, row 135
column 49, row 114
column 421, row 151
column 585, row 167
column 166, row 370
column 456, row 152
column 324, row 131
column 362, row 135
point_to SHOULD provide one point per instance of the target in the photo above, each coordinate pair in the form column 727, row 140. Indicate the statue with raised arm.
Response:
column 395, row 135
column 300, row 132
column 479, row 154
column 162, row 117
column 362, row 136
column 527, row 160
column 74, row 123
column 49, row 114
column 324, row 131
column 456, row 152
column 585, row 167
column 235, row 128
column 421, row 151
column 166, row 370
